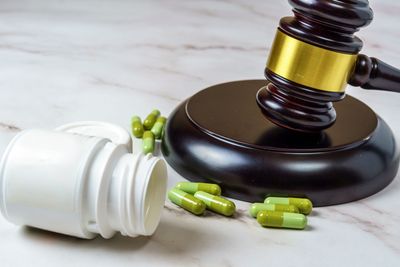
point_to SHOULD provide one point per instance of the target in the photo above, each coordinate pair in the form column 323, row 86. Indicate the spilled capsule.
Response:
column 281, row 219
column 137, row 127
column 217, row 204
column 148, row 142
column 255, row 208
column 192, row 188
column 148, row 123
column 158, row 127
column 303, row 204
column 186, row 201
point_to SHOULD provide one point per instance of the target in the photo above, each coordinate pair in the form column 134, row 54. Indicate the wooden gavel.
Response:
column 314, row 56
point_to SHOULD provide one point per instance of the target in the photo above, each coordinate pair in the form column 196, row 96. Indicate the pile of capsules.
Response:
column 196, row 197
column 151, row 129
column 282, row 212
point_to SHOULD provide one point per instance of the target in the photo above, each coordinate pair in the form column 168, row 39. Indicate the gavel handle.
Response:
column 372, row 73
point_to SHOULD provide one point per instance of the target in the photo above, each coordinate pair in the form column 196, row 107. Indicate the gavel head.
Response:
column 311, row 60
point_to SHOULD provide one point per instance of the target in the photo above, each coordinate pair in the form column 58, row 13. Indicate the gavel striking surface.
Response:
column 220, row 135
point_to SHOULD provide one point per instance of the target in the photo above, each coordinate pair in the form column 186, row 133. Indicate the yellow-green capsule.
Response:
column 186, row 201
column 282, row 219
column 192, row 188
column 257, row 207
column 158, row 127
column 162, row 133
column 303, row 204
column 151, row 119
column 216, row 203
column 137, row 127
column 148, row 142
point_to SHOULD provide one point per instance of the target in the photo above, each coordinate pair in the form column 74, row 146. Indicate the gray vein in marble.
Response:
column 176, row 212
column 20, row 49
column 379, row 212
column 175, row 72
column 9, row 127
column 200, row 47
column 250, row 8
column 100, row 81
column 368, row 226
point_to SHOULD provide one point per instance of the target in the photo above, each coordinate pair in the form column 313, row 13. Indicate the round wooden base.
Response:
column 219, row 135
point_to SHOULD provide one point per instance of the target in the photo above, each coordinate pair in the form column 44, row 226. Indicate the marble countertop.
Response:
column 64, row 61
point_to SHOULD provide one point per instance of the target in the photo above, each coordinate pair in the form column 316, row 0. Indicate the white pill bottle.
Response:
column 81, row 180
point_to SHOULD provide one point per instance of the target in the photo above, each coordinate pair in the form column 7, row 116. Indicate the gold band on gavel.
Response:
column 310, row 65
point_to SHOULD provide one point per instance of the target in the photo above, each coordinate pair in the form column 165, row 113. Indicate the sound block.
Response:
column 219, row 135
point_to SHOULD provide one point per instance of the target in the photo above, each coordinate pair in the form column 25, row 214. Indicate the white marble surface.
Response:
column 62, row 61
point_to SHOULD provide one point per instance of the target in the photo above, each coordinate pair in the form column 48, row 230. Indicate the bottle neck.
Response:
column 128, row 195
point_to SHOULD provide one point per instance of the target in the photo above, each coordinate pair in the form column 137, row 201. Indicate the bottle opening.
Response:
column 155, row 196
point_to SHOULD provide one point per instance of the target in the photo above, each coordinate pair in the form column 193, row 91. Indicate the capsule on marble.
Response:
column 192, row 188
column 303, row 204
column 217, row 204
column 158, row 127
column 150, row 120
column 137, row 127
column 282, row 219
column 257, row 207
column 186, row 201
column 148, row 142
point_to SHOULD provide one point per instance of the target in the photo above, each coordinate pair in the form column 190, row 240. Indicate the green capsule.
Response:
column 137, row 127
column 282, row 219
column 303, row 204
column 151, row 119
column 148, row 142
column 257, row 207
column 162, row 133
column 186, row 201
column 216, row 203
column 192, row 188
column 158, row 127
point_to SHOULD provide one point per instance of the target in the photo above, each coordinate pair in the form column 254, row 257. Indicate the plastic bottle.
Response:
column 81, row 180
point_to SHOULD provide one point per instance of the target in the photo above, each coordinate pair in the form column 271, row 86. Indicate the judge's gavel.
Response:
column 314, row 55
